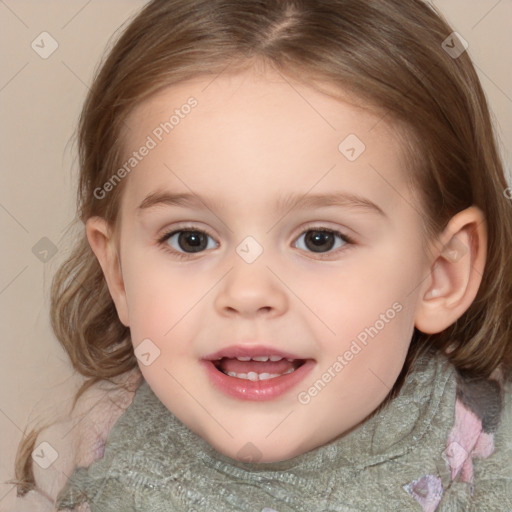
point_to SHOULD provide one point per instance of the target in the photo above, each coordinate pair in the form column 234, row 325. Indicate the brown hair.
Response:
column 389, row 54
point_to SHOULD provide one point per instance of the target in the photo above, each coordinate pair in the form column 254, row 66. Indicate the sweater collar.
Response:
column 389, row 433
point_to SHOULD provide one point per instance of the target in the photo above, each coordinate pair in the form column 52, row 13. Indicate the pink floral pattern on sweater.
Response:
column 465, row 441
column 470, row 437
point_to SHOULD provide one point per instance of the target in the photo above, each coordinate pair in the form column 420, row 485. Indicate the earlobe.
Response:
column 455, row 274
column 102, row 242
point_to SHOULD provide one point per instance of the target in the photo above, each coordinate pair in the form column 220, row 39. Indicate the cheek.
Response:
column 162, row 299
column 354, row 295
column 369, row 306
column 153, row 298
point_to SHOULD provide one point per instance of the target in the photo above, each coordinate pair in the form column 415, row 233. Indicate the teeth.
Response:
column 258, row 376
column 261, row 358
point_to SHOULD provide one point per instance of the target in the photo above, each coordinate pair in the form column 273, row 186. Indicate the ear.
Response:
column 456, row 272
column 103, row 244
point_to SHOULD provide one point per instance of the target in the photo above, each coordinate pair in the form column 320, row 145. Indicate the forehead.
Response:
column 230, row 134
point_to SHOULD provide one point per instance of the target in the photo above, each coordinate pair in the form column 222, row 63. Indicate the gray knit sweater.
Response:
column 443, row 444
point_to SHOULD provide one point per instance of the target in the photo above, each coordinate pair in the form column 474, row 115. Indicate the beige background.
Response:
column 40, row 100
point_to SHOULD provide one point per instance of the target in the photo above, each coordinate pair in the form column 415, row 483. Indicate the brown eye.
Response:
column 189, row 241
column 321, row 240
column 192, row 241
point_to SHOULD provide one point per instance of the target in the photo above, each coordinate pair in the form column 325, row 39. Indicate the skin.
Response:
column 252, row 139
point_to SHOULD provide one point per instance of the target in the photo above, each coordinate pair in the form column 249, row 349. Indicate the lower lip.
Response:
column 245, row 389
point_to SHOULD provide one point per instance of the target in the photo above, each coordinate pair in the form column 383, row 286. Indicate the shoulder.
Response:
column 76, row 440
column 479, row 446
column 132, row 459
column 470, row 445
column 493, row 457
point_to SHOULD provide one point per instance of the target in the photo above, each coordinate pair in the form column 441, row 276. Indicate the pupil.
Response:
column 192, row 241
column 320, row 240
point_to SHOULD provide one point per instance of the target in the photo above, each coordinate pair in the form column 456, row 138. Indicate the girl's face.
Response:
column 262, row 218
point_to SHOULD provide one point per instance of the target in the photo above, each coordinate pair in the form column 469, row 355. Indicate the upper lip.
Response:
column 234, row 351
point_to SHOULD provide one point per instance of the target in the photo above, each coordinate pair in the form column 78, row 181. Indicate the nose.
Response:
column 251, row 290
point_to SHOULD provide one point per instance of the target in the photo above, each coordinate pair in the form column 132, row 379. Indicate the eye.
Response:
column 188, row 241
column 321, row 240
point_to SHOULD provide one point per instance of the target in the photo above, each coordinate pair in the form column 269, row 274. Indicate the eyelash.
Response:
column 185, row 256
column 178, row 254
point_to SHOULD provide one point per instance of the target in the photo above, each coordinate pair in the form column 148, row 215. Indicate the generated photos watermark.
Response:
column 357, row 345
column 152, row 141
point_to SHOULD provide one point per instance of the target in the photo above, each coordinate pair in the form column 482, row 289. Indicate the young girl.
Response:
column 295, row 269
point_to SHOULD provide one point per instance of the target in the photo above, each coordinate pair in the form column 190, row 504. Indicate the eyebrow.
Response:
column 284, row 204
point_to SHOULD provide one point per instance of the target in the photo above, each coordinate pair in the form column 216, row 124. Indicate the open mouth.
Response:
column 255, row 373
column 257, row 368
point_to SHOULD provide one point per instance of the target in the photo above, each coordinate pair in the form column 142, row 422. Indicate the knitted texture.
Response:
column 435, row 447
